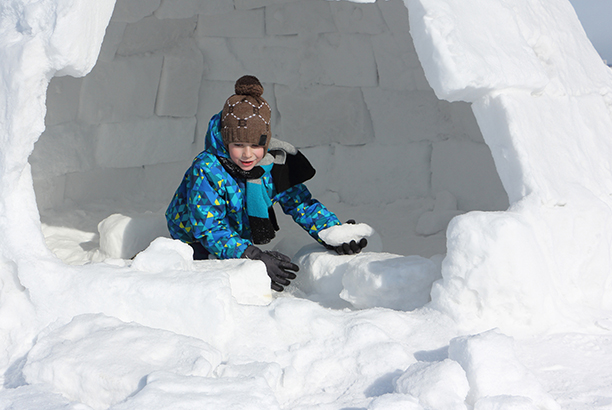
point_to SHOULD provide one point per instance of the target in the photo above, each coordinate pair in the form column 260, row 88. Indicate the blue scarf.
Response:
column 259, row 209
column 258, row 204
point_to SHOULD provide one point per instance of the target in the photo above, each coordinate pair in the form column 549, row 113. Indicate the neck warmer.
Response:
column 258, row 204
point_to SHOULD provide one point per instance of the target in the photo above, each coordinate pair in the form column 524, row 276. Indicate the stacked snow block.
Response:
column 343, row 80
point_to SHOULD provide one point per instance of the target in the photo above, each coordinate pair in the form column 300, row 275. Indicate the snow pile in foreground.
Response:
column 185, row 334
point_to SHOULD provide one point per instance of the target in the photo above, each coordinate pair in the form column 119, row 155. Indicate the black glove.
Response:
column 277, row 266
column 348, row 248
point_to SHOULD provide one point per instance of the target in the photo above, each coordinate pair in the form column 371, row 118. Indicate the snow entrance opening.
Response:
column 346, row 87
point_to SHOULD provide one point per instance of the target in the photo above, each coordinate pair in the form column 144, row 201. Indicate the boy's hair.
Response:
column 246, row 114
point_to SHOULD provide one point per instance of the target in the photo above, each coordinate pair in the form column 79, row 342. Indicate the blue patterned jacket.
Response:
column 209, row 205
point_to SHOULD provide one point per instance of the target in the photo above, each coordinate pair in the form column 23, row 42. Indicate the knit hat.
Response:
column 246, row 115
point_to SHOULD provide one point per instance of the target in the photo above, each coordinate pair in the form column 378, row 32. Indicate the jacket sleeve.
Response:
column 209, row 219
column 306, row 211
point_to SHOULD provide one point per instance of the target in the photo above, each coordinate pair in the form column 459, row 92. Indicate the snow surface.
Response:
column 519, row 312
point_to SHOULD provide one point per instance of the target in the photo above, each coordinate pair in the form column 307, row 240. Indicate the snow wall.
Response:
column 541, row 100
column 542, row 97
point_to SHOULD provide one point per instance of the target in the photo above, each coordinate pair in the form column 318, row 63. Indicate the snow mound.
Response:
column 368, row 279
column 123, row 236
column 495, row 374
column 73, row 359
column 164, row 254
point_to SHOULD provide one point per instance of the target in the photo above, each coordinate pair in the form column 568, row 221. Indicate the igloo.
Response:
column 538, row 90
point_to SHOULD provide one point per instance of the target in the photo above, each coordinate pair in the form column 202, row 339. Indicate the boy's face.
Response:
column 246, row 155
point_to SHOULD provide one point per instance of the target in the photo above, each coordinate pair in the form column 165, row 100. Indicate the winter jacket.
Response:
column 209, row 205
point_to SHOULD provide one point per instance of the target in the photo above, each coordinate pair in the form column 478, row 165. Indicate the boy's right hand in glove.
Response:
column 278, row 266
column 348, row 248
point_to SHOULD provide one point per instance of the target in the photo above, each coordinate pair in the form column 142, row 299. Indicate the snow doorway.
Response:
column 346, row 87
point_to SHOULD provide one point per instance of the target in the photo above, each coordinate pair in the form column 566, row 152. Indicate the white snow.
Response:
column 514, row 312
column 345, row 233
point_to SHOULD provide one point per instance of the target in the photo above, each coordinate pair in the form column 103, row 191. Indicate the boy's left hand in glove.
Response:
column 346, row 239
column 278, row 266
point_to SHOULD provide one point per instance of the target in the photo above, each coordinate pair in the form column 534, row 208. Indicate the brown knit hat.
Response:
column 246, row 115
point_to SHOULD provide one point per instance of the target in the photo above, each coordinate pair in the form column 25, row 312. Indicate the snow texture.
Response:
column 345, row 233
column 508, row 307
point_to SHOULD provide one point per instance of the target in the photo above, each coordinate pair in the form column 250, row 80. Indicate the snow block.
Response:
column 466, row 169
column 401, row 173
column 387, row 280
column 161, row 180
column 152, row 34
column 365, row 280
column 396, row 73
column 395, row 15
column 120, row 90
column 131, row 11
column 236, row 23
column 179, row 85
column 272, row 59
column 220, row 63
column 340, row 59
column 457, row 54
column 493, row 369
column 124, row 236
column 401, row 116
column 275, row 59
column 463, row 119
column 321, row 158
column 522, row 129
column 249, row 283
column 210, row 102
column 102, row 184
column 62, row 100
column 255, row 4
column 321, row 274
column 305, row 16
column 319, row 115
column 62, row 149
column 357, row 17
column 138, row 350
column 146, row 142
column 112, row 39
column 393, row 74
column 437, row 385
column 75, row 34
column 248, row 280
column 49, row 192
column 179, row 9
column 445, row 209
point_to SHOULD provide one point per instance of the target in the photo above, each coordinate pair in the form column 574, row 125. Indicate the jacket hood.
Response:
column 214, row 141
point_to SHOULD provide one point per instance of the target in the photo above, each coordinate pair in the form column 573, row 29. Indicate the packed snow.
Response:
column 515, row 315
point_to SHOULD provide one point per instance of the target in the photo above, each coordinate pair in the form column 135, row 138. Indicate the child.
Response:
column 223, row 205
